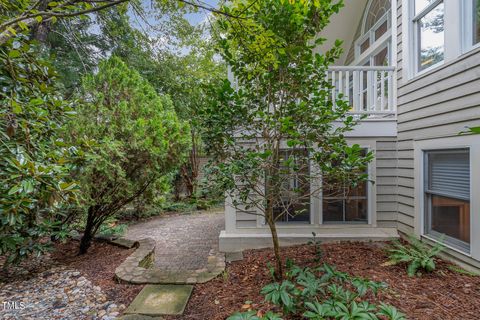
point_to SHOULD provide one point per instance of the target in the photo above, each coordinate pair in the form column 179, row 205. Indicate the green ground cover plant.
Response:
column 323, row 293
column 416, row 254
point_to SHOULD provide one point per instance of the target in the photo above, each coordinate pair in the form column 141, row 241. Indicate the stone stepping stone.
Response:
column 157, row 300
column 139, row 317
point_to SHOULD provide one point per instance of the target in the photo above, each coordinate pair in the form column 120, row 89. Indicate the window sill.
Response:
column 440, row 66
column 448, row 246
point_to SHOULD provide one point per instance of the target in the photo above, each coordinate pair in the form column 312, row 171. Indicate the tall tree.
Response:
column 23, row 15
column 277, row 132
column 176, row 57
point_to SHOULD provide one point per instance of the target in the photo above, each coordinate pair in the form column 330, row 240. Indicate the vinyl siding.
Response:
column 440, row 103
column 386, row 182
column 246, row 219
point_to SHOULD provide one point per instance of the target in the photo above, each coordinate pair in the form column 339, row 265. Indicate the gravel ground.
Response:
column 63, row 285
column 57, row 293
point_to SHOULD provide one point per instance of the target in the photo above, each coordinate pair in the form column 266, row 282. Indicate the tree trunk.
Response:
column 189, row 170
column 40, row 31
column 276, row 246
column 87, row 237
column 276, row 249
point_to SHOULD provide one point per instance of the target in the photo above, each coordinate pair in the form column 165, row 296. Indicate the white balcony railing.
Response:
column 368, row 89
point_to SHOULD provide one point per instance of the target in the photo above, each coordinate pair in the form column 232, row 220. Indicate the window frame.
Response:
column 467, row 32
column 376, row 45
column 415, row 31
column 261, row 220
column 427, row 195
column 369, row 146
column 471, row 142
column 457, row 33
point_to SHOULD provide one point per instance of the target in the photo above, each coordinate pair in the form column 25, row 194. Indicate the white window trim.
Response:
column 378, row 44
column 471, row 142
column 467, row 32
column 457, row 39
column 413, row 24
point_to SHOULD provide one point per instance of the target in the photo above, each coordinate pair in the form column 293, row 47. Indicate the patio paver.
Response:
column 157, row 300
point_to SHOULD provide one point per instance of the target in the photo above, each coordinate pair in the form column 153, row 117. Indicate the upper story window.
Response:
column 472, row 20
column 372, row 48
column 440, row 30
column 476, row 21
column 429, row 28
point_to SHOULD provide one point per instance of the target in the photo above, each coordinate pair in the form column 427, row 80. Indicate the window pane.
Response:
column 421, row 4
column 476, row 21
column 356, row 210
column 292, row 203
column 381, row 58
column 451, row 217
column 292, row 212
column 449, row 173
column 365, row 45
column 381, row 30
column 342, row 204
column 333, row 210
column 431, row 38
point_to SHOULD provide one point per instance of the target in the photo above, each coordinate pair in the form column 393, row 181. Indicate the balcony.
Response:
column 369, row 90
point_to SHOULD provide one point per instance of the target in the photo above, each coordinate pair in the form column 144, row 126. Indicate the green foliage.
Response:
column 280, row 99
column 324, row 293
column 474, row 130
column 390, row 312
column 111, row 227
column 459, row 270
column 252, row 315
column 249, row 315
column 416, row 254
column 76, row 49
column 281, row 294
column 34, row 172
column 131, row 137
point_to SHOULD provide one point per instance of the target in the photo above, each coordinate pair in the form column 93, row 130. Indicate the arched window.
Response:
column 372, row 48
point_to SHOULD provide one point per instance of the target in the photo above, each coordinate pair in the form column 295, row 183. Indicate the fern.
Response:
column 416, row 254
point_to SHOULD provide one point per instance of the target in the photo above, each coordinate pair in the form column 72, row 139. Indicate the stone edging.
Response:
column 137, row 264
column 137, row 267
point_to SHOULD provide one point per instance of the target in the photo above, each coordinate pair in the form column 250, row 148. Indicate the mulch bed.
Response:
column 98, row 266
column 443, row 294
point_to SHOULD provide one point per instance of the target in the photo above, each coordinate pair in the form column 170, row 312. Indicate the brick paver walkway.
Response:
column 183, row 241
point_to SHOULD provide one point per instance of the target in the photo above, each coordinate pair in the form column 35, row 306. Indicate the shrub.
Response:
column 34, row 171
column 324, row 293
column 416, row 254
column 131, row 137
column 111, row 227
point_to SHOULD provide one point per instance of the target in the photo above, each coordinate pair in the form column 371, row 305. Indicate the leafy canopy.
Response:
column 275, row 121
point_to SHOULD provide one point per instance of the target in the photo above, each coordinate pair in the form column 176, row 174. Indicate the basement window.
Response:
column 447, row 196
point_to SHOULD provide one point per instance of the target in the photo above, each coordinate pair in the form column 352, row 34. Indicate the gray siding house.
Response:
column 413, row 67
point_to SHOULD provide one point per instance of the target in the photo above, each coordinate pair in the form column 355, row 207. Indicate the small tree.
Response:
column 132, row 137
column 278, row 133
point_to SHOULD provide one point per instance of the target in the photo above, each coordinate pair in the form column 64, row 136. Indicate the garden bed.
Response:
column 443, row 294
column 63, row 285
